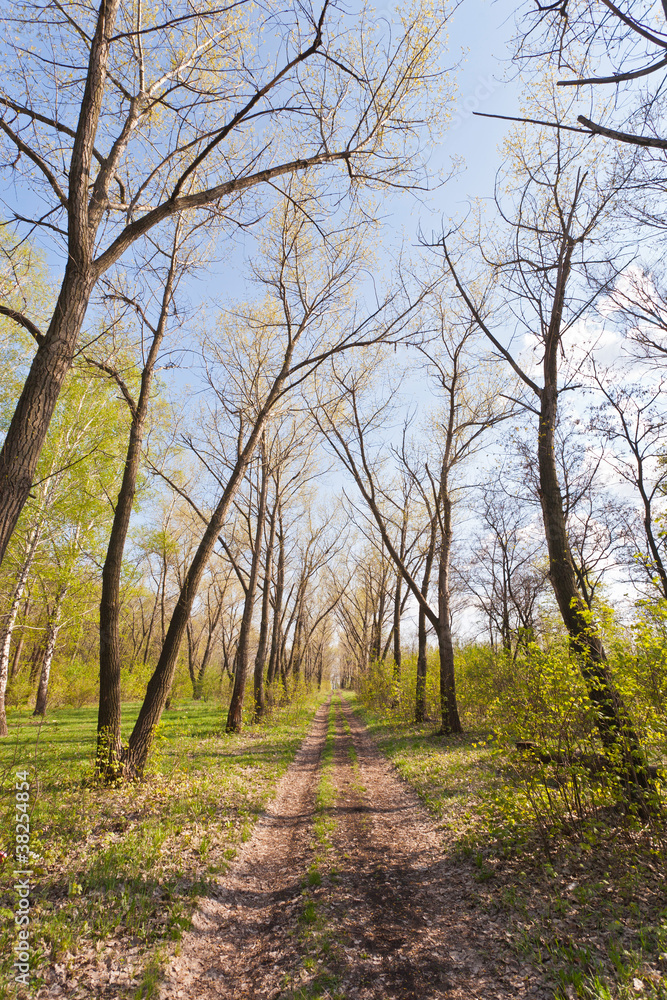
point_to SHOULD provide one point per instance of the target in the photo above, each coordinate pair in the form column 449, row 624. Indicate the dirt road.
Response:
column 344, row 891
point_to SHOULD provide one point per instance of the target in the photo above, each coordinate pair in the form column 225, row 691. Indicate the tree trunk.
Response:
column 235, row 713
column 52, row 630
column 295, row 652
column 189, row 634
column 264, row 624
column 612, row 718
column 10, row 620
column 448, row 706
column 376, row 652
column 396, row 633
column 109, row 711
column 420, row 687
column 274, row 654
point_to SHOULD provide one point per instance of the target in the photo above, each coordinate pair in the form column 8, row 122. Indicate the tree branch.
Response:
column 634, row 140
column 23, row 321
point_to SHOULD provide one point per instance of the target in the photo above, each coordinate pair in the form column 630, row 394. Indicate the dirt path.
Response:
column 372, row 908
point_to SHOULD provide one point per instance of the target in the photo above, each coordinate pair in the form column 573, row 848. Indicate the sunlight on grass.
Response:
column 117, row 873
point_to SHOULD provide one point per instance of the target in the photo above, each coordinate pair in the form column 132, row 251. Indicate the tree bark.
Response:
column 260, row 657
column 235, row 713
column 109, row 711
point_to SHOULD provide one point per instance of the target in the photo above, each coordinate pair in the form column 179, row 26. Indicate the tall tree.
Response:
column 558, row 226
column 136, row 117
column 309, row 276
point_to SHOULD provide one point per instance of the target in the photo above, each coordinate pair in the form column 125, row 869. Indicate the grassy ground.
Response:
column 586, row 915
column 116, row 873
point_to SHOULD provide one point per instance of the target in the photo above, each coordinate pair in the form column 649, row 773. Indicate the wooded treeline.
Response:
column 364, row 457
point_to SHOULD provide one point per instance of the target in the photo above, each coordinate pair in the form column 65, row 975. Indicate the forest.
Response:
column 324, row 494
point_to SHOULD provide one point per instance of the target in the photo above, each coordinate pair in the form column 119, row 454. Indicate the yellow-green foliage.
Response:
column 539, row 696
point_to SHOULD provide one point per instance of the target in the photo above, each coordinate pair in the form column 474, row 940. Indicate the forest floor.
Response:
column 116, row 873
column 344, row 891
column 333, row 852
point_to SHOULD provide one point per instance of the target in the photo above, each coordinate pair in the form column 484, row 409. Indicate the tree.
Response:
column 138, row 116
column 456, row 429
column 504, row 575
column 601, row 45
column 558, row 220
column 633, row 419
column 283, row 343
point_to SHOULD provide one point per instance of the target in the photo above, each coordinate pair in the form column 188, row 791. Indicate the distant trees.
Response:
column 467, row 409
column 504, row 573
column 632, row 418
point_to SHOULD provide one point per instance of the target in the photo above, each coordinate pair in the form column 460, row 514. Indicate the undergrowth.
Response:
column 579, row 899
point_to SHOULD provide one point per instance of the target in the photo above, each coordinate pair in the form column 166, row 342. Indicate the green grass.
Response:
column 116, row 873
column 324, row 824
column 590, row 917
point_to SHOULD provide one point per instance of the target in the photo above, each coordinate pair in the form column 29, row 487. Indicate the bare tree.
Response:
column 467, row 412
column 131, row 120
column 300, row 327
column 635, row 421
column 504, row 574
column 557, row 227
